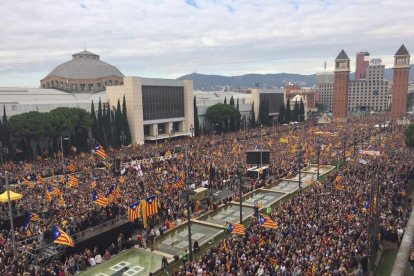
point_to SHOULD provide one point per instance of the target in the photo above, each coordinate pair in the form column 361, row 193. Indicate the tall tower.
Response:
column 341, row 85
column 362, row 62
column 400, row 83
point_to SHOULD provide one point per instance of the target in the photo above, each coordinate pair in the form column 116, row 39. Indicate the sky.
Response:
column 171, row 38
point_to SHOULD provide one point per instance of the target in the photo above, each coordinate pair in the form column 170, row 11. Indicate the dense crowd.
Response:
column 324, row 230
column 314, row 220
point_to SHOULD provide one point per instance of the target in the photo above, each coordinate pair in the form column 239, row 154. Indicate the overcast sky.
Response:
column 170, row 38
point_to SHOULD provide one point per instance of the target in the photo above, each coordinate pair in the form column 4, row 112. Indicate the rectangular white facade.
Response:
column 153, row 124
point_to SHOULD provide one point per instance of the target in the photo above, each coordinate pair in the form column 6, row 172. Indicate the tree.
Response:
column 409, row 135
column 301, row 110
column 119, row 121
column 225, row 100
column 231, row 101
column 281, row 116
column 287, row 117
column 5, row 130
column 218, row 114
column 239, row 118
column 95, row 127
column 196, row 121
column 29, row 126
column 100, row 137
column 252, row 117
column 126, row 123
column 295, row 114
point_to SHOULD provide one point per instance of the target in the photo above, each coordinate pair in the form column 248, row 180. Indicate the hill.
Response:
column 212, row 82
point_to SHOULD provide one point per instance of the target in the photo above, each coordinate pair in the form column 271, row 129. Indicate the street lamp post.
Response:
column 156, row 138
column 187, row 179
column 1, row 152
column 355, row 145
column 91, row 140
column 300, row 155
column 192, row 131
column 10, row 215
column 344, row 139
column 61, row 148
column 122, row 138
column 261, row 146
column 318, row 154
column 241, row 191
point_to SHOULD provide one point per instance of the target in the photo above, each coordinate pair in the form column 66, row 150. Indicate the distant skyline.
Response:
column 171, row 38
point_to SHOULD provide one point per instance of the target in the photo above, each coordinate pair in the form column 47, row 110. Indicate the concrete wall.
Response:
column 132, row 89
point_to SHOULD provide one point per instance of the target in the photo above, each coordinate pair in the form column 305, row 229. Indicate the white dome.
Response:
column 85, row 65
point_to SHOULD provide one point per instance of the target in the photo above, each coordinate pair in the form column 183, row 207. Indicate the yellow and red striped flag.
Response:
column 72, row 181
column 134, row 211
column 41, row 180
column 237, row 228
column 150, row 206
column 99, row 150
column 29, row 183
column 70, row 166
column 265, row 221
column 60, row 237
column 93, row 184
column 99, row 199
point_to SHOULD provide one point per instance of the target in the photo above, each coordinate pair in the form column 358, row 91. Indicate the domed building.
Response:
column 84, row 73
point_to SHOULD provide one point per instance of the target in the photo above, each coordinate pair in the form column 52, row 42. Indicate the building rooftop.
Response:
column 85, row 65
column 16, row 95
column 342, row 55
column 402, row 51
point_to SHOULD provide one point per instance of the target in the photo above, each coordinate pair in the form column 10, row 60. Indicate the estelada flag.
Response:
column 70, row 166
column 237, row 228
column 93, row 184
column 72, row 181
column 60, row 237
column 134, row 211
column 99, row 150
column 99, row 199
column 29, row 183
column 150, row 206
column 41, row 180
column 267, row 222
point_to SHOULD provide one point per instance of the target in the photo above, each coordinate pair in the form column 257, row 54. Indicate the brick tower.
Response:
column 341, row 84
column 400, row 83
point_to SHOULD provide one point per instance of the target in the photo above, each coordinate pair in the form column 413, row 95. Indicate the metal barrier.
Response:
column 82, row 234
column 400, row 264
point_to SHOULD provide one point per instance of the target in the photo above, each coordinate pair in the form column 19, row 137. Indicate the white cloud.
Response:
column 167, row 38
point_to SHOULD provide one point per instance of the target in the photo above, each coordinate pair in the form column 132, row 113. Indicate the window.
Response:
column 74, row 87
column 161, row 102
column 82, row 87
column 98, row 85
column 90, row 87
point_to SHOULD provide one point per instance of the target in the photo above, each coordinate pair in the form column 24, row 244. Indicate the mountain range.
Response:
column 214, row 82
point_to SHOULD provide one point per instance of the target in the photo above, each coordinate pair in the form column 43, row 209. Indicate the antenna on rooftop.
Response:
column 324, row 65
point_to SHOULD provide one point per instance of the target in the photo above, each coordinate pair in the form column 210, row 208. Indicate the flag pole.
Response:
column 11, row 216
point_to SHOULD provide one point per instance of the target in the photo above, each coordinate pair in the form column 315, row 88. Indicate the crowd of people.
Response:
column 313, row 217
column 324, row 230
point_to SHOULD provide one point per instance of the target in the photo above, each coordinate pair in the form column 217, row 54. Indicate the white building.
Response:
column 325, row 86
column 156, row 108
column 21, row 100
